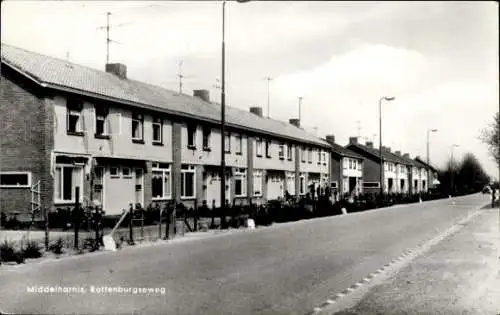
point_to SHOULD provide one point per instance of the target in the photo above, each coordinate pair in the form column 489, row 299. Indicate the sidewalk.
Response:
column 459, row 275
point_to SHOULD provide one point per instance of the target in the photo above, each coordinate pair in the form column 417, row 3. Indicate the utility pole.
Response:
column 223, row 124
column 269, row 79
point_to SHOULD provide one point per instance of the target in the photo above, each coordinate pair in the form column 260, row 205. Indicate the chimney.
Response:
column 295, row 122
column 203, row 94
column 369, row 144
column 118, row 69
column 387, row 149
column 398, row 153
column 418, row 157
column 330, row 139
column 353, row 140
column 406, row 155
column 256, row 110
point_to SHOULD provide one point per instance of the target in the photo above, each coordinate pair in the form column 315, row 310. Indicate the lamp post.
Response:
column 386, row 98
column 452, row 173
column 223, row 118
column 428, row 165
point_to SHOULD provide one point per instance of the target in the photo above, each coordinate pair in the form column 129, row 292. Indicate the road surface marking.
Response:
column 410, row 254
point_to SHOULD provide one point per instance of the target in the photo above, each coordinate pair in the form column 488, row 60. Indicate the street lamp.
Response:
column 452, row 169
column 382, row 182
column 223, row 118
column 428, row 165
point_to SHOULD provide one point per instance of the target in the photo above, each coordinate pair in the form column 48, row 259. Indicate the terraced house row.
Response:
column 122, row 141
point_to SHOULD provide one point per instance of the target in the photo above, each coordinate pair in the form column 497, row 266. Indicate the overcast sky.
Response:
column 439, row 59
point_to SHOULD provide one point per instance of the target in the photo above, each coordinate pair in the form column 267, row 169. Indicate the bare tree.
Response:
column 490, row 136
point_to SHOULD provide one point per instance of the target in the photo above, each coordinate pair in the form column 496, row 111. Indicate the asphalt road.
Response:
column 283, row 269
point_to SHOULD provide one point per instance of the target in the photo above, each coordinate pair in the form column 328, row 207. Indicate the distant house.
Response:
column 346, row 169
column 433, row 172
column 372, row 162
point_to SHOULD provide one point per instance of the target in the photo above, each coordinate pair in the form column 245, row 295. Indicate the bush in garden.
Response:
column 12, row 223
column 32, row 250
column 57, row 246
column 8, row 252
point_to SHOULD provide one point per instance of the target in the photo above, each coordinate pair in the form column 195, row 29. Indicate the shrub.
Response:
column 8, row 252
column 32, row 250
column 91, row 244
column 57, row 246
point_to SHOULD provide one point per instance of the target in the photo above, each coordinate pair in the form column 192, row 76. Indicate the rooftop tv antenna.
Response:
column 107, row 28
column 269, row 79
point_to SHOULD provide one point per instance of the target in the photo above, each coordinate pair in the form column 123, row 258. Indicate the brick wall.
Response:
column 297, row 171
column 371, row 171
column 176, row 165
column 336, row 170
column 26, row 139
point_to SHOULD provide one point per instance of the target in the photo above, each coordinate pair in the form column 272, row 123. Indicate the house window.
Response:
column 257, row 182
column 310, row 155
column 74, row 119
column 15, row 179
column 207, row 131
column 268, row 148
column 324, row 157
column 238, row 144
column 126, row 172
column 67, row 178
column 191, row 136
column 258, row 147
column 114, row 171
column 188, row 188
column 371, row 185
column 161, row 181
column 227, row 142
column 157, row 130
column 350, row 164
column 239, row 182
column 319, row 156
column 137, row 126
column 354, row 164
column 302, row 184
column 289, row 153
column 333, row 185
column 281, row 152
column 101, row 118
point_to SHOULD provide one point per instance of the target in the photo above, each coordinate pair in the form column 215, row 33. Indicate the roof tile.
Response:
column 61, row 73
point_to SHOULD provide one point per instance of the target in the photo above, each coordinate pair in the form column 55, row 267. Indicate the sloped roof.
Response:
column 421, row 164
column 401, row 159
column 373, row 153
column 340, row 150
column 60, row 74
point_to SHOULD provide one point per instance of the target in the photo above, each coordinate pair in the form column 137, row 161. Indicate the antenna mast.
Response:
column 180, row 76
column 300, row 108
column 269, row 79
column 107, row 28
